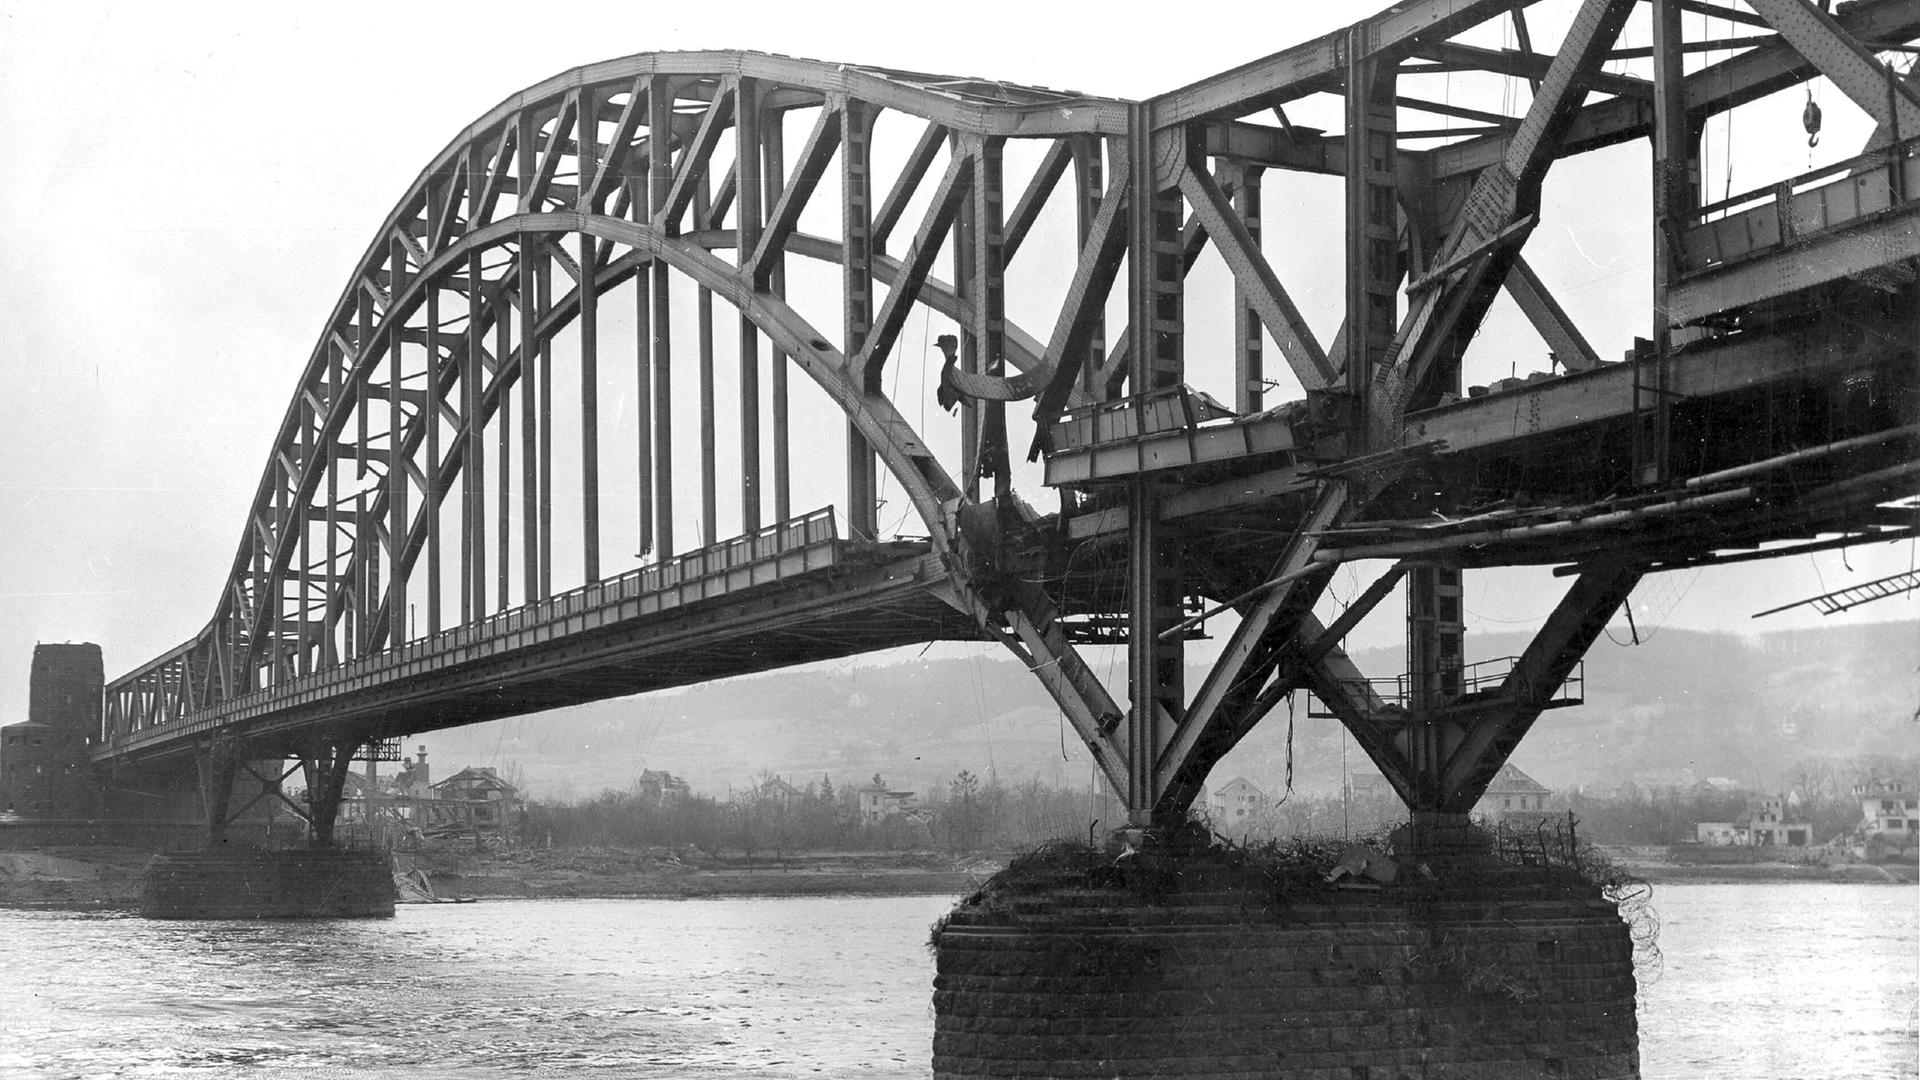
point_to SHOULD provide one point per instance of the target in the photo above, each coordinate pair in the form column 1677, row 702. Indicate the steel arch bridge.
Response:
column 401, row 570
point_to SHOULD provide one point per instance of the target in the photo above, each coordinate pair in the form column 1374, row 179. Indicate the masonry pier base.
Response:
column 1193, row 966
column 234, row 882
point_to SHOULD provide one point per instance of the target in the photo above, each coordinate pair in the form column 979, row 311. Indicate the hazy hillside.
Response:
column 1720, row 704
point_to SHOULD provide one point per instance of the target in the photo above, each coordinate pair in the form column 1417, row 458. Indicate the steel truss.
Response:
column 401, row 458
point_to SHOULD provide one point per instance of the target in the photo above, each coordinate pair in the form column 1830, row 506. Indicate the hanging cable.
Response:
column 1726, row 120
column 1288, row 794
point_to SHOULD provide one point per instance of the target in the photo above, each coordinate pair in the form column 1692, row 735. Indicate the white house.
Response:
column 1889, row 809
column 877, row 803
column 1766, row 826
column 1513, row 792
column 1236, row 800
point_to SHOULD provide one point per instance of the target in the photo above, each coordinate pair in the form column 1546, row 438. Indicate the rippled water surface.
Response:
column 584, row 988
column 1800, row 981
column 1811, row 982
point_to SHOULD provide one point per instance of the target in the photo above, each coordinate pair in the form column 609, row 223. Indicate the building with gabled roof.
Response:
column 475, row 799
column 878, row 802
column 1235, row 801
column 776, row 790
column 1513, row 793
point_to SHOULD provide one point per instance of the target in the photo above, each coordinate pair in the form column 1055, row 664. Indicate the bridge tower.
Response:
column 44, row 770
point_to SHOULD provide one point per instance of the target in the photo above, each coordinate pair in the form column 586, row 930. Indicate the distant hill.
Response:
column 1722, row 704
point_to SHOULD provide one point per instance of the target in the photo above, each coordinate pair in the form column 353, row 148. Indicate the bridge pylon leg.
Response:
column 1156, row 660
column 1441, row 753
column 326, row 765
column 216, row 765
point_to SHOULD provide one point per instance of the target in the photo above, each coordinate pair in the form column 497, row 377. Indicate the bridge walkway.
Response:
column 791, row 593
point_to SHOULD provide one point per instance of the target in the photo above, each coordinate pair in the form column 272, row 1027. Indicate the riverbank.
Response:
column 1659, row 865
column 658, row 873
column 102, row 877
column 73, row 878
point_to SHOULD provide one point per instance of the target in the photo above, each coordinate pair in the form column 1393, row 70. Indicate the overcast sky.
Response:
column 184, row 189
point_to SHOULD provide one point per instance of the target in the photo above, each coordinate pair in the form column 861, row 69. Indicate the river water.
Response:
column 1812, row 982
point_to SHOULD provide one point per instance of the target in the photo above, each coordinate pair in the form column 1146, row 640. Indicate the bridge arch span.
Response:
column 385, row 514
column 609, row 174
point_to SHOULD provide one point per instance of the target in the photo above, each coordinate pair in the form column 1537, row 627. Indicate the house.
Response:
column 776, row 790
column 1766, row 826
column 1890, row 810
column 1512, row 794
column 877, row 803
column 661, row 788
column 476, row 798
column 1235, row 801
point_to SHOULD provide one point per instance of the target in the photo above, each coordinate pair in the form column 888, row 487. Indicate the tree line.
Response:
column 769, row 816
column 1821, row 792
column 974, row 813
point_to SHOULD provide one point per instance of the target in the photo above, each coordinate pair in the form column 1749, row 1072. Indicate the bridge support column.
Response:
column 326, row 765
column 216, row 767
column 1442, row 752
column 248, row 881
column 1156, row 325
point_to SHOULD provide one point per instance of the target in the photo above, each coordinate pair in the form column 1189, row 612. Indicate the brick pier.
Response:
column 1505, row 972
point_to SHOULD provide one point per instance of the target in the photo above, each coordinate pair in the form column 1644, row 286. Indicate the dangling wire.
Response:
column 1726, row 119
column 1289, row 792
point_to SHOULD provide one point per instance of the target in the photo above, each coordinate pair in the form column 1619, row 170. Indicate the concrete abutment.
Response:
column 1501, row 972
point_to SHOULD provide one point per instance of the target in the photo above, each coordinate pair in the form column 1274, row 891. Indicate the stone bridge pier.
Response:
column 1170, row 963
column 250, row 870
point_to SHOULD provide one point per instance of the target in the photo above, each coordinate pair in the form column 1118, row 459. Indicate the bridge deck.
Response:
column 790, row 594
column 1256, row 453
column 1851, row 218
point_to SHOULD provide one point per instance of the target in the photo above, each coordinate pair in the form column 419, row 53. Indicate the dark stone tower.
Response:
column 44, row 771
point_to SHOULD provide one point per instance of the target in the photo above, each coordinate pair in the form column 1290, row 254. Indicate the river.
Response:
column 1813, row 982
